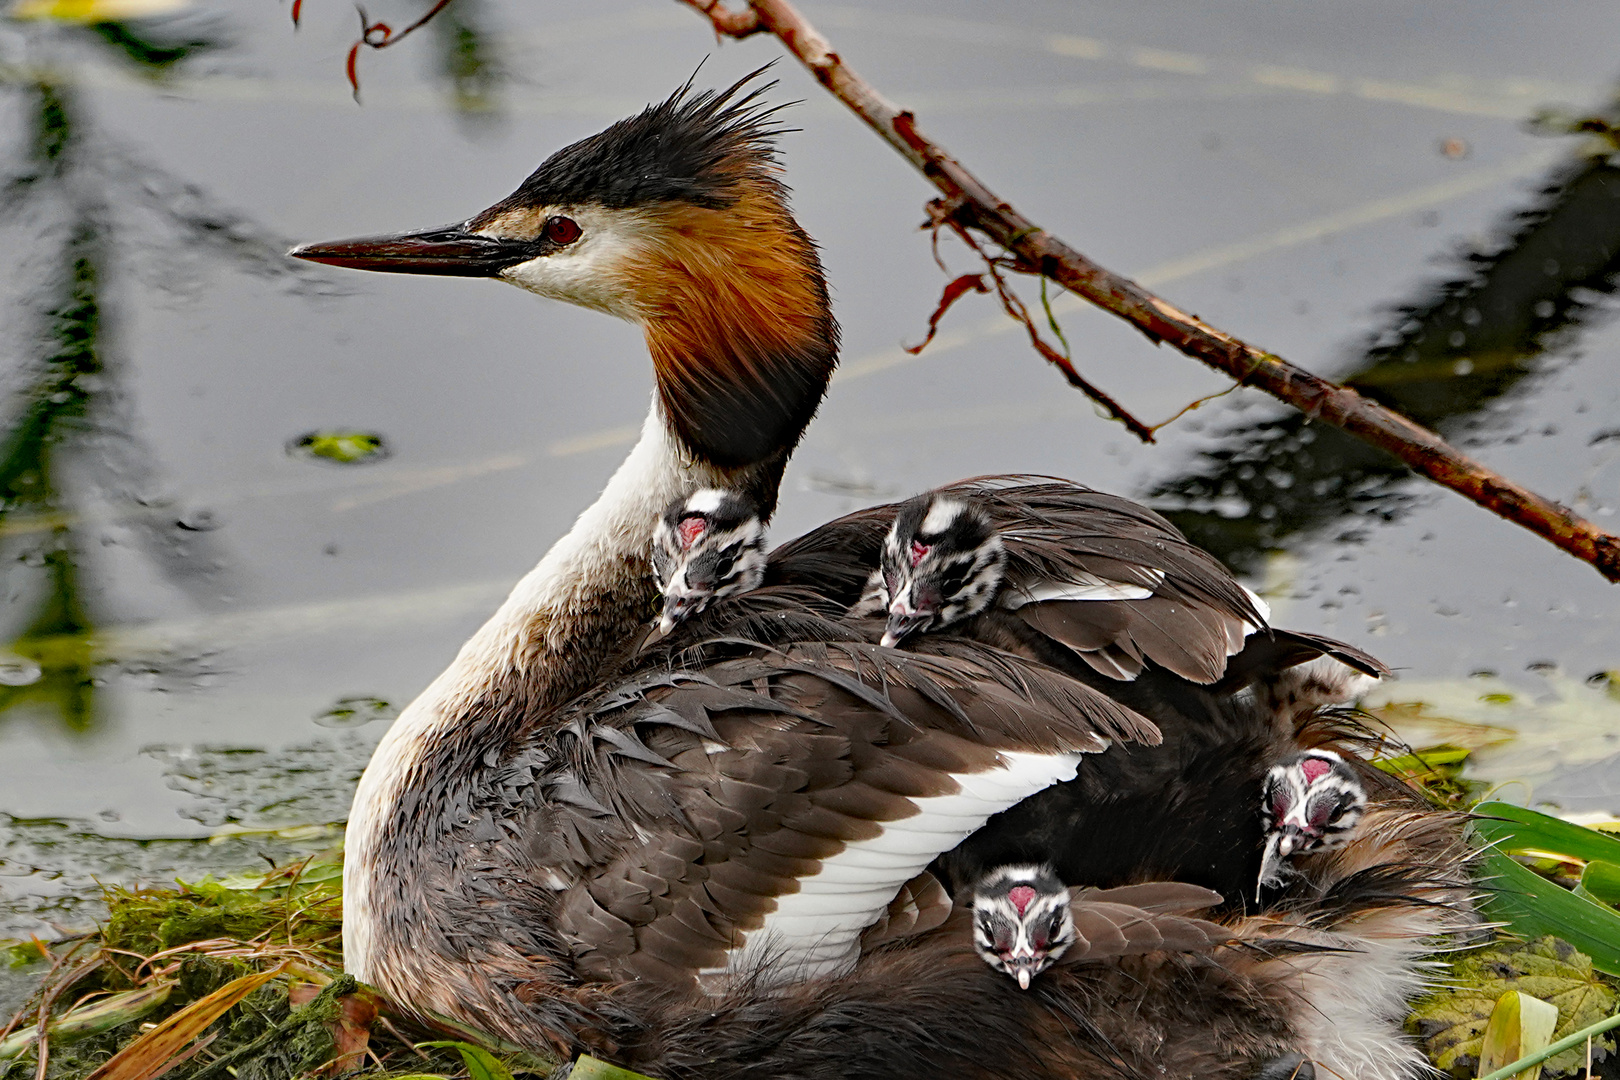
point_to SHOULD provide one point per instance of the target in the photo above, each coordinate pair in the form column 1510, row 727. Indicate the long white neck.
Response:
column 567, row 614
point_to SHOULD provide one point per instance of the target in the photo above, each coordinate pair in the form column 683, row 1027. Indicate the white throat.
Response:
column 535, row 633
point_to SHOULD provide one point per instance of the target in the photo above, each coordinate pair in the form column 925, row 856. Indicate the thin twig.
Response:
column 1195, row 403
column 941, row 216
column 379, row 35
column 977, row 207
column 42, row 1048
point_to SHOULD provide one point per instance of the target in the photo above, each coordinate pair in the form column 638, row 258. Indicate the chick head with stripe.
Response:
column 1022, row 921
column 1309, row 803
column 942, row 563
column 707, row 546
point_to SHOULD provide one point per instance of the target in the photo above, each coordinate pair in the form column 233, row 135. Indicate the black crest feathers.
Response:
column 694, row 147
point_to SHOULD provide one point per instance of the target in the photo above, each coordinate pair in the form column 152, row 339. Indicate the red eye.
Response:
column 919, row 552
column 561, row 230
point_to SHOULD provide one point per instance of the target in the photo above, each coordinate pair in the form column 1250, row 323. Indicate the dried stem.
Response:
column 941, row 214
column 974, row 206
column 379, row 35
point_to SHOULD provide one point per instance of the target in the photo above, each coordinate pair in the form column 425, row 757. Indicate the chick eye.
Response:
column 561, row 230
column 723, row 565
column 954, row 580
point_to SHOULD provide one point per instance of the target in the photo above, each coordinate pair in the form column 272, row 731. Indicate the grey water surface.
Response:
column 206, row 626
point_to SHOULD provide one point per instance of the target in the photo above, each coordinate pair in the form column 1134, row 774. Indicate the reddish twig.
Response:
column 976, row 207
column 379, row 35
column 954, row 290
column 941, row 215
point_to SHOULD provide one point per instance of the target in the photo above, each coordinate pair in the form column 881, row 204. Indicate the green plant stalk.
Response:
column 1568, row 1042
column 1051, row 321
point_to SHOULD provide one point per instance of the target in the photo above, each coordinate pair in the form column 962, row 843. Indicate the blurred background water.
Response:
column 251, row 507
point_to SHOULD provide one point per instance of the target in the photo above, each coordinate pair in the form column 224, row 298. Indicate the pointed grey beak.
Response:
column 449, row 251
column 1023, row 969
column 1272, row 870
column 677, row 610
column 901, row 627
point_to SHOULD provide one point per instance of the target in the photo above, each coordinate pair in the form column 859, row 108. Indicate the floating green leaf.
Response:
column 353, row 712
column 1451, row 1022
column 1424, row 760
column 341, row 447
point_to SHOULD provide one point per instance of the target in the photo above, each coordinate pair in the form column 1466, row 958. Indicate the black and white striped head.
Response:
column 706, row 547
column 1021, row 920
column 942, row 563
column 1309, row 803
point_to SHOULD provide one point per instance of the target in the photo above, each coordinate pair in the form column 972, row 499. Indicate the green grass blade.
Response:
column 1601, row 882
column 1514, row 828
column 479, row 1063
column 1533, row 906
column 589, row 1068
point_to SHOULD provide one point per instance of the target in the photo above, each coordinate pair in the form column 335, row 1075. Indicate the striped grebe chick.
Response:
column 1310, row 803
column 1025, row 920
column 706, row 547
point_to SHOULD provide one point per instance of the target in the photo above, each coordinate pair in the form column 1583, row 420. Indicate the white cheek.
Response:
column 584, row 274
column 591, row 271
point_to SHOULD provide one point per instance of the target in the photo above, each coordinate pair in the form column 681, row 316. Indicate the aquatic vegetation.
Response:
column 1452, row 1021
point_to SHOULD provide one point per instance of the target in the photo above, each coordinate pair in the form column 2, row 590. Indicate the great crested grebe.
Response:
column 675, row 858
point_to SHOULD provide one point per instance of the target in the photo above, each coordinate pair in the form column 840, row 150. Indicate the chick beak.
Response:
column 902, row 626
column 1023, row 971
column 1278, row 847
column 677, row 609
column 448, row 251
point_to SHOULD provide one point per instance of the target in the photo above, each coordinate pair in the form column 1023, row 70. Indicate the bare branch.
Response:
column 974, row 206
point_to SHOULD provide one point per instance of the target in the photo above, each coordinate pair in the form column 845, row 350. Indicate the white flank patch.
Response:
column 1084, row 587
column 816, row 930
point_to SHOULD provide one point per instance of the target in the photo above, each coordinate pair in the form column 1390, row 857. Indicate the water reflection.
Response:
column 71, row 470
column 469, row 62
column 1442, row 359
